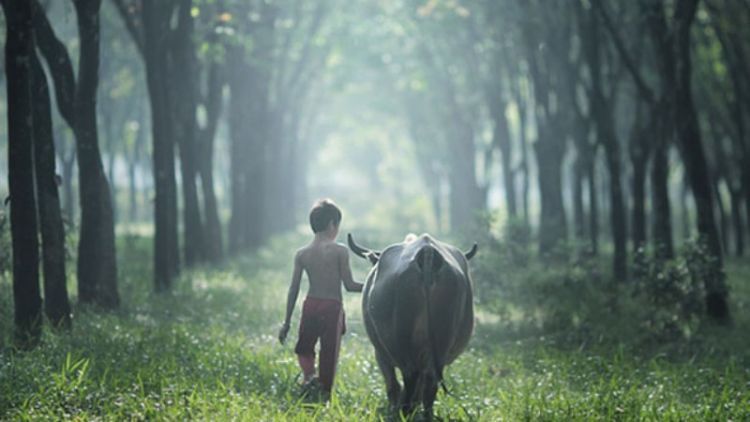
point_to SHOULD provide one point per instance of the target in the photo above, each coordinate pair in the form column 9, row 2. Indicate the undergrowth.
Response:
column 208, row 351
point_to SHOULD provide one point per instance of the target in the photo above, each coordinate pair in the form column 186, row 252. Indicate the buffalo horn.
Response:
column 470, row 254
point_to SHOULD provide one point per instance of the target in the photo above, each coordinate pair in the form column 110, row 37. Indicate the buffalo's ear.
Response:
column 470, row 254
column 373, row 256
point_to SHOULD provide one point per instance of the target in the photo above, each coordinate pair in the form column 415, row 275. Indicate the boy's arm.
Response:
column 346, row 274
column 291, row 298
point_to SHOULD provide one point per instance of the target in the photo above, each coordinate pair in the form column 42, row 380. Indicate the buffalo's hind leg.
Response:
column 429, row 391
column 408, row 396
column 393, row 388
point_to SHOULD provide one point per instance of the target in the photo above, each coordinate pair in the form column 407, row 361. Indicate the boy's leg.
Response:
column 307, row 363
column 330, row 342
column 309, row 331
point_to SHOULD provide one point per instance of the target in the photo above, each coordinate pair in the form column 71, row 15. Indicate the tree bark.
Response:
column 56, row 303
column 552, row 224
column 76, row 100
column 97, row 260
column 638, row 216
column 662, row 213
column 166, row 253
column 184, row 84
column 501, row 139
column 523, row 145
column 601, row 110
column 213, row 236
column 465, row 196
column 593, row 204
column 550, row 144
column 579, row 214
column 250, row 131
column 691, row 148
column 640, row 154
column 19, row 49
column 737, row 223
column 68, row 160
column 721, row 211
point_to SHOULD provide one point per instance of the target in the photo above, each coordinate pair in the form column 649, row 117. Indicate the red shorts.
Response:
column 321, row 319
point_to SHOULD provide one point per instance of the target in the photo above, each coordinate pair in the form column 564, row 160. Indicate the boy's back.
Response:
column 323, row 263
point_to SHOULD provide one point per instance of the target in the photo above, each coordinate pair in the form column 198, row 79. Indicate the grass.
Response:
column 208, row 351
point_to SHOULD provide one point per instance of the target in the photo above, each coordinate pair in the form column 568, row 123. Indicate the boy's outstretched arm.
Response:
column 291, row 298
column 346, row 274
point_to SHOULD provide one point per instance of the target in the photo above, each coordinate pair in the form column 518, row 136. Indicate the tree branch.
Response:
column 56, row 55
column 640, row 84
column 129, row 17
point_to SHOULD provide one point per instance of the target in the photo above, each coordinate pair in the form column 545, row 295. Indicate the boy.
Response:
column 327, row 265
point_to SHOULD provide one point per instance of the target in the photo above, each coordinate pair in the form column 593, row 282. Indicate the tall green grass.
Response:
column 208, row 351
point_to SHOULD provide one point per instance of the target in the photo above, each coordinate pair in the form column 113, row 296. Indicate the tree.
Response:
column 56, row 304
column 156, row 17
column 19, row 48
column 660, row 124
column 541, row 27
column 602, row 106
column 76, row 99
column 691, row 148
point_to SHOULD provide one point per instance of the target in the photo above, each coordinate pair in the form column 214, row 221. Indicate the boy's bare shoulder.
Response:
column 300, row 253
column 341, row 249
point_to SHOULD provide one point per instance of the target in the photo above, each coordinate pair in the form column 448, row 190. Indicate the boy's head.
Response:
column 324, row 214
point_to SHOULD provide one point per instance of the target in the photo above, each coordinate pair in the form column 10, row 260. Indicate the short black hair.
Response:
column 322, row 213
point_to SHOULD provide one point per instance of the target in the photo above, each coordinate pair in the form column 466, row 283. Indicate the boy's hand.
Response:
column 283, row 331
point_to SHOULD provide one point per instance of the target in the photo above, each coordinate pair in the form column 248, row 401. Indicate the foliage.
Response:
column 536, row 295
column 664, row 301
column 673, row 292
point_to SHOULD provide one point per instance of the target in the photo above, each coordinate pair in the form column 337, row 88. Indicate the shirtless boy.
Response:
column 327, row 266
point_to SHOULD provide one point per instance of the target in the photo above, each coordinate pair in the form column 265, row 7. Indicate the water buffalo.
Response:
column 418, row 313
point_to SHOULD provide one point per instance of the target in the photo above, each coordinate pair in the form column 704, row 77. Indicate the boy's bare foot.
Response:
column 312, row 390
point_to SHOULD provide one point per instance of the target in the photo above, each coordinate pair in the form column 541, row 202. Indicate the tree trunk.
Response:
column 737, row 223
column 465, row 196
column 662, row 221
column 639, row 202
column 184, row 83
column 110, row 137
column 238, row 158
column 685, row 211
column 213, row 237
column 132, row 192
column 69, row 202
column 56, row 304
column 133, row 165
column 76, row 100
column 579, row 215
column 689, row 139
column 501, row 139
column 249, row 131
column 523, row 145
column 593, row 203
column 617, row 205
column 19, row 49
column 273, row 167
column 550, row 144
column 552, row 224
column 601, row 110
column 723, row 218
column 640, row 151
column 97, row 265
column 166, row 256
